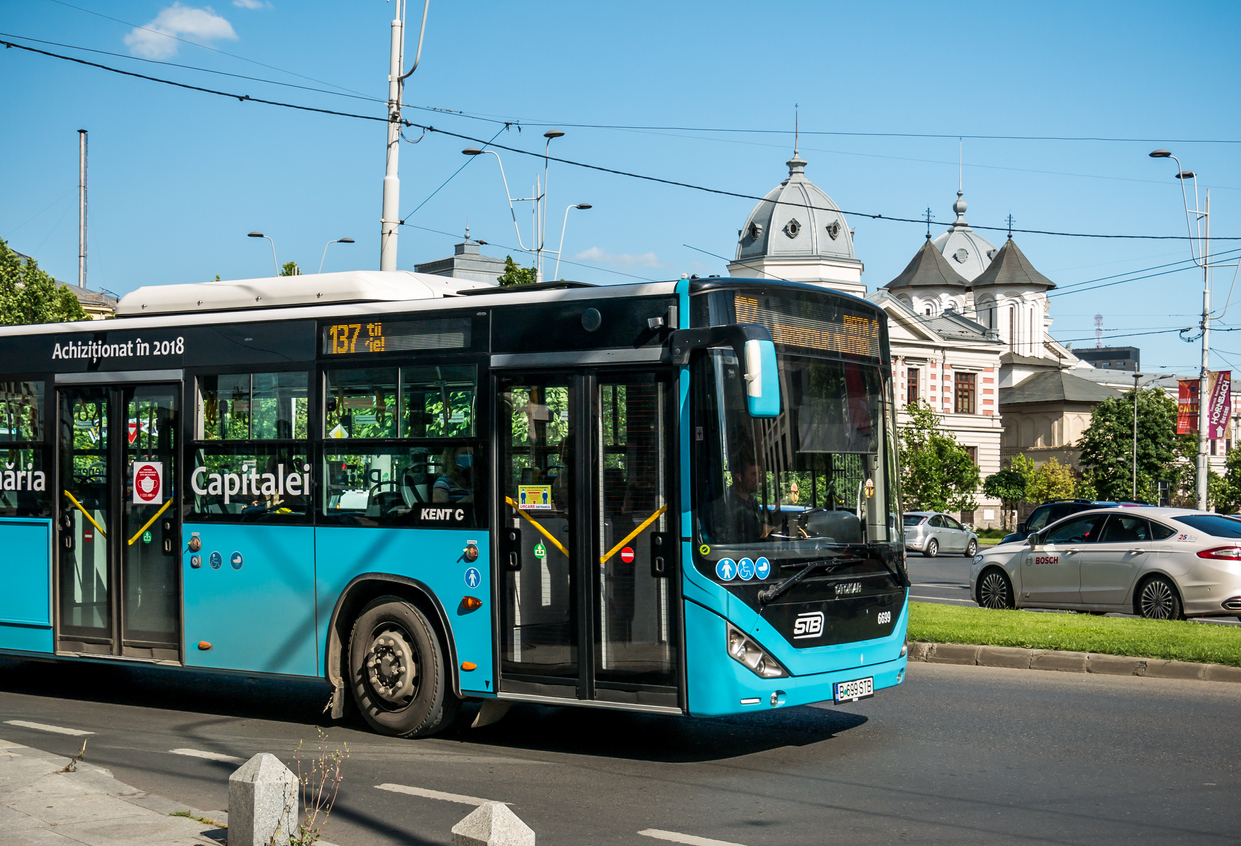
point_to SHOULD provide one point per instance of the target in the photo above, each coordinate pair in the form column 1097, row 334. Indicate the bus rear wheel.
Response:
column 398, row 672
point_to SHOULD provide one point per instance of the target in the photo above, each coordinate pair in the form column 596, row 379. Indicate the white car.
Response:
column 1162, row 563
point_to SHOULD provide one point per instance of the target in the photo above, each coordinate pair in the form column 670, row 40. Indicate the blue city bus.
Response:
column 676, row 498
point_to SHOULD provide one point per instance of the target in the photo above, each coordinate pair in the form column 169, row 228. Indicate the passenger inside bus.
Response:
column 456, row 482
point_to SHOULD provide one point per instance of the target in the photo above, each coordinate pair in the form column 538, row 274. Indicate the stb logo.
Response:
column 808, row 625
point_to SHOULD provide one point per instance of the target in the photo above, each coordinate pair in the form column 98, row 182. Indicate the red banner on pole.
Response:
column 1187, row 407
column 1219, row 406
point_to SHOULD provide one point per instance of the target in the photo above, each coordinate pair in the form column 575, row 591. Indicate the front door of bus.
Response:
column 585, row 551
column 119, row 528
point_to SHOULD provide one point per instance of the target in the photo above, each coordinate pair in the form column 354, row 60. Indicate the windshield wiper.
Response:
column 775, row 591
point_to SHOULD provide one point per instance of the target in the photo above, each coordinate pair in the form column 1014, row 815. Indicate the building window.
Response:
column 911, row 386
column 972, row 452
column 965, row 393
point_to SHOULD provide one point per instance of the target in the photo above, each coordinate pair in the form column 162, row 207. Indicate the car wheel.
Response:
column 995, row 590
column 971, row 549
column 397, row 671
column 1158, row 600
column 932, row 548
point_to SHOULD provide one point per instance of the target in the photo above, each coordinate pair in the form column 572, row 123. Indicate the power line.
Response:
column 587, row 166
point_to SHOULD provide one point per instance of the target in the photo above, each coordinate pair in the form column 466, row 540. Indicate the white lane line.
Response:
column 45, row 727
column 434, row 794
column 210, row 756
column 690, row 839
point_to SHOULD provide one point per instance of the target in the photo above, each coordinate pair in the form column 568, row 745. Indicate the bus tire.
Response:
column 397, row 670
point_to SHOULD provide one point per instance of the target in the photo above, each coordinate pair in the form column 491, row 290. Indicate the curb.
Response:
column 1015, row 658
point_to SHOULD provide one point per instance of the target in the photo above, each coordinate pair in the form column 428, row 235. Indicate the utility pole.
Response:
column 1204, row 398
column 391, row 216
column 82, row 208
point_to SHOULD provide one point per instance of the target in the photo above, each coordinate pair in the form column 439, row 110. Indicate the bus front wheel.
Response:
column 398, row 672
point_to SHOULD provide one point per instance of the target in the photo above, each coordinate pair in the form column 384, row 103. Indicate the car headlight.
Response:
column 977, row 559
column 754, row 657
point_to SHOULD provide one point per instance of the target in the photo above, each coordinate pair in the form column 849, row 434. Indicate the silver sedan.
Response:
column 1162, row 563
column 933, row 532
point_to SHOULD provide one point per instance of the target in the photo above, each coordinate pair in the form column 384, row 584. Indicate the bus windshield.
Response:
column 819, row 475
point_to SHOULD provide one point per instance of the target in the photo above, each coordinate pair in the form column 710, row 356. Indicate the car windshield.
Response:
column 914, row 519
column 820, row 473
column 1215, row 525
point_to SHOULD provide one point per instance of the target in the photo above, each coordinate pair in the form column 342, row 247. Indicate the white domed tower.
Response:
column 797, row 233
column 967, row 252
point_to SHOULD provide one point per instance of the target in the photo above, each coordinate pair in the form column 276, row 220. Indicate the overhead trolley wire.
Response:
column 586, row 165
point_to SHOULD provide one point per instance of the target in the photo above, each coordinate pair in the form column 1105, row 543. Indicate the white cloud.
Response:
column 600, row 256
column 158, row 39
column 251, row 4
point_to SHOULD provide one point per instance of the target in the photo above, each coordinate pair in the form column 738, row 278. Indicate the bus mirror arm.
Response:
column 683, row 342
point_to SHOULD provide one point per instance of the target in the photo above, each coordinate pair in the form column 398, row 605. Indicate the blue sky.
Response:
column 177, row 177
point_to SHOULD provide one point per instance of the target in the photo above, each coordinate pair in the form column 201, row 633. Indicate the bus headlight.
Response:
column 754, row 657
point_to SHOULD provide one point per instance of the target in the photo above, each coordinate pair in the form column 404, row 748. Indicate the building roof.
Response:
column 1056, row 386
column 796, row 220
column 467, row 262
column 1011, row 269
column 967, row 251
column 89, row 298
column 951, row 324
column 928, row 269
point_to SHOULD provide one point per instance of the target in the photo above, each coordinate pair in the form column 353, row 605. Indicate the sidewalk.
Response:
column 42, row 806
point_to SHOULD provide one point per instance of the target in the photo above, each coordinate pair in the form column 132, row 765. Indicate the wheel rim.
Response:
column 932, row 548
column 971, row 549
column 993, row 592
column 1157, row 600
column 392, row 666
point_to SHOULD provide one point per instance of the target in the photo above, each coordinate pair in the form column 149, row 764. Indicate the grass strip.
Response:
column 1171, row 639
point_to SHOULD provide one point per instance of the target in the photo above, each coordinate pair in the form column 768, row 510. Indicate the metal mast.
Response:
column 391, row 216
column 82, row 208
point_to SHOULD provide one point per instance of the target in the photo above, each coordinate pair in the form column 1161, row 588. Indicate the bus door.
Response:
column 586, row 557
column 119, row 527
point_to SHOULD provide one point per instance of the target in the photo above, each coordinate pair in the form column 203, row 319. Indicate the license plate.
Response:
column 852, row 691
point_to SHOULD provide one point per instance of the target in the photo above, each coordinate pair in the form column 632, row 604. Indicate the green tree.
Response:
column 1051, row 481
column 1107, row 446
column 937, row 473
column 1225, row 491
column 515, row 274
column 31, row 295
column 290, row 268
column 1009, row 487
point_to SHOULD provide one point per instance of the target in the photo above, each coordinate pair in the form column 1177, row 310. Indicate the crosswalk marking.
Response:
column 45, row 727
column 210, row 756
column 434, row 794
column 689, row 839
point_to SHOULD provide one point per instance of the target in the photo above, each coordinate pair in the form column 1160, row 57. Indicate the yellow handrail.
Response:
column 149, row 522
column 634, row 533
column 538, row 526
column 86, row 513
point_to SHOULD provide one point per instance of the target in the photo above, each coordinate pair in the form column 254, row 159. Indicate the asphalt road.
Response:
column 955, row 755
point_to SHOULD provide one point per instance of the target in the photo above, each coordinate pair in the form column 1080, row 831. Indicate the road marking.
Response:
column 434, row 794
column 44, row 727
column 210, row 756
column 689, row 839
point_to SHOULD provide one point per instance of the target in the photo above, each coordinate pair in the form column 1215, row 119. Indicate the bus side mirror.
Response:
column 762, row 378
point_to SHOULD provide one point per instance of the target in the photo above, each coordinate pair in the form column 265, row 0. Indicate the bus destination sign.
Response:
column 381, row 336
column 794, row 324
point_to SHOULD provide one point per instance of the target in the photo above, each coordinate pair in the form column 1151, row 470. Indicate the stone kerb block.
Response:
column 491, row 824
column 262, row 803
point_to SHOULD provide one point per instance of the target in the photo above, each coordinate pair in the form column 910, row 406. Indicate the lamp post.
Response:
column 330, row 243
column 273, row 249
column 1202, row 258
column 583, row 207
column 540, row 194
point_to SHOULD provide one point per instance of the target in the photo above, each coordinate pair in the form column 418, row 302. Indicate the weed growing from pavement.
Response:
column 1178, row 640
column 320, row 785
column 190, row 815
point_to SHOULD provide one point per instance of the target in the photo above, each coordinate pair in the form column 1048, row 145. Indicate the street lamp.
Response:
column 1203, row 260
column 273, row 249
column 583, row 207
column 330, row 243
column 540, row 194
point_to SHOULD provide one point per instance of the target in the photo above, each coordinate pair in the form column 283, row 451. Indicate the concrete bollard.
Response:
column 262, row 803
column 490, row 824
